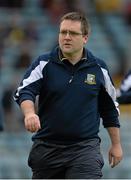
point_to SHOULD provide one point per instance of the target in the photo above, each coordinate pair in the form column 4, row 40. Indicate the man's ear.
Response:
column 85, row 39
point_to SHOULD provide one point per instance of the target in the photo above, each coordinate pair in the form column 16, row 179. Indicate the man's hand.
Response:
column 115, row 155
column 115, row 152
column 32, row 122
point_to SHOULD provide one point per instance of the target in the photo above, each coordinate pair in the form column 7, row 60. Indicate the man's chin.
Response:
column 67, row 51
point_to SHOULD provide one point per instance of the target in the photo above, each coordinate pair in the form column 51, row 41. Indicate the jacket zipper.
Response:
column 71, row 79
column 74, row 71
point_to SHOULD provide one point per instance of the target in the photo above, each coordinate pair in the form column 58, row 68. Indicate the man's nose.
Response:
column 68, row 35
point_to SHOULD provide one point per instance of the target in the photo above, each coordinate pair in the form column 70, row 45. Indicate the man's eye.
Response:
column 63, row 32
column 73, row 33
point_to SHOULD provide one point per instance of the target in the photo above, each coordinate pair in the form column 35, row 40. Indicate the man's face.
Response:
column 71, row 39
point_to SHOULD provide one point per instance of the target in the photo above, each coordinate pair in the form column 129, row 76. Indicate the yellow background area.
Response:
column 108, row 5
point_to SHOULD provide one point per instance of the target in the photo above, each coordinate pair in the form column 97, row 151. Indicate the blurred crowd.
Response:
column 21, row 37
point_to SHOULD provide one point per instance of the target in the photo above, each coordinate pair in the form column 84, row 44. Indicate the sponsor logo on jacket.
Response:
column 90, row 79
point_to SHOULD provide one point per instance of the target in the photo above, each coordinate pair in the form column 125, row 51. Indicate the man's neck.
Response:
column 73, row 59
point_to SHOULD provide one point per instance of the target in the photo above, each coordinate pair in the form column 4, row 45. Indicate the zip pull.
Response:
column 71, row 79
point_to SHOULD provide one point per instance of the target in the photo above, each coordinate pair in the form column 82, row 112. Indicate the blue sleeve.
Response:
column 31, row 83
column 108, row 110
column 108, row 106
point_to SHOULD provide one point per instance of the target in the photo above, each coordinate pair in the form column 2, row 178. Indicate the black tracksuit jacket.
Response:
column 72, row 99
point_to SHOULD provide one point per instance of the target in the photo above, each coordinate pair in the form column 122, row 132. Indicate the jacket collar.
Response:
column 57, row 57
column 62, row 58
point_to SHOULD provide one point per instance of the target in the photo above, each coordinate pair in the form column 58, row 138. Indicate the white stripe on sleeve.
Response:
column 35, row 75
column 110, row 88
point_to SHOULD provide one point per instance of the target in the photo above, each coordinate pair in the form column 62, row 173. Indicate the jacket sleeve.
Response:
column 31, row 83
column 108, row 106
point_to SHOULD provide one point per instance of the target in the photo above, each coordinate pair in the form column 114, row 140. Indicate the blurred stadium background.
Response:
column 29, row 28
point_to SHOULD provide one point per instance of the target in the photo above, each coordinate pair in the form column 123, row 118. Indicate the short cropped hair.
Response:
column 78, row 16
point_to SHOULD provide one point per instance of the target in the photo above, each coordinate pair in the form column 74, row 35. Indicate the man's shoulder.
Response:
column 41, row 60
column 44, row 57
column 100, row 62
column 50, row 55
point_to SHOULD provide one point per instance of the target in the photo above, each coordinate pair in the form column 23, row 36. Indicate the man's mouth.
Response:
column 67, row 44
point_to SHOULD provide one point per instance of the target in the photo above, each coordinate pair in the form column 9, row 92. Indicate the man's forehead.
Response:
column 70, row 24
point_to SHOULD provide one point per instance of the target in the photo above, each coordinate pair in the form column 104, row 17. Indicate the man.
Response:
column 75, row 91
column 124, row 92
